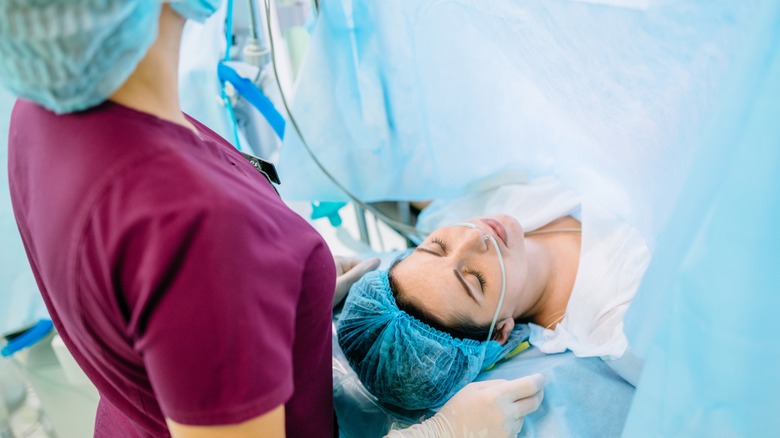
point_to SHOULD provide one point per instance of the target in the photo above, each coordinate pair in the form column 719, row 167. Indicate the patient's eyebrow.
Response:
column 465, row 285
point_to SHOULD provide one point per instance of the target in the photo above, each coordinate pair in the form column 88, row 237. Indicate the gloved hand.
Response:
column 493, row 408
column 348, row 271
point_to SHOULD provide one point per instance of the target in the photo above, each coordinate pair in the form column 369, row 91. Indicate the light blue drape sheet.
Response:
column 668, row 112
column 21, row 305
column 706, row 315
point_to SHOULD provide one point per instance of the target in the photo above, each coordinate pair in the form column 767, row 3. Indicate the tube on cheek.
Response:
column 492, row 239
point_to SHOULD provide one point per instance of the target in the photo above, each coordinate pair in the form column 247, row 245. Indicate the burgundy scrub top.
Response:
column 183, row 286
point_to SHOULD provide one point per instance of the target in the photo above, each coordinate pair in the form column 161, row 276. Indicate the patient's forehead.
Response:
column 420, row 281
column 408, row 275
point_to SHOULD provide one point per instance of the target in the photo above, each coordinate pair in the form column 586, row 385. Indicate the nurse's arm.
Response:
column 269, row 425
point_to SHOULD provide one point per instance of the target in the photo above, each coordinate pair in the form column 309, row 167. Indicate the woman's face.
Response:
column 455, row 272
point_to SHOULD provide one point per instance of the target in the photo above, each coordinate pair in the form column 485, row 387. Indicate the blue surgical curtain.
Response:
column 706, row 317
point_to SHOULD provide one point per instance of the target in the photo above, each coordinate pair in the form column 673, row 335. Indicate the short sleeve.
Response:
column 210, row 292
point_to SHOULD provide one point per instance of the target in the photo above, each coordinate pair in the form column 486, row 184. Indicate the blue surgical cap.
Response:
column 198, row 10
column 70, row 55
column 403, row 361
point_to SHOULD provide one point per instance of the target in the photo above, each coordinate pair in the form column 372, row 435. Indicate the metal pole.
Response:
column 360, row 215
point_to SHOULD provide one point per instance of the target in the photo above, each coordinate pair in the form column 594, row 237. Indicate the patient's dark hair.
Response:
column 463, row 328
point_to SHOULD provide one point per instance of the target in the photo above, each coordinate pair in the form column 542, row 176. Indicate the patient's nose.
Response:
column 475, row 239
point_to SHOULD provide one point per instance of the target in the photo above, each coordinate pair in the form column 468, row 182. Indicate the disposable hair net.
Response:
column 403, row 361
column 70, row 55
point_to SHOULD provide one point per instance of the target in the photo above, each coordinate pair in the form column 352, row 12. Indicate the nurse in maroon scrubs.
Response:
column 192, row 297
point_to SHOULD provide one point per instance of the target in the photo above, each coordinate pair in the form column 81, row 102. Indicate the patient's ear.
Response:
column 503, row 329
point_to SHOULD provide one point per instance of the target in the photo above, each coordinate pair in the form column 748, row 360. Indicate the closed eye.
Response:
column 481, row 279
column 441, row 244
column 466, row 286
column 477, row 274
column 441, row 251
column 443, row 248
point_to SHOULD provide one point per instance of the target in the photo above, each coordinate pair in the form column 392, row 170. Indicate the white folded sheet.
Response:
column 613, row 259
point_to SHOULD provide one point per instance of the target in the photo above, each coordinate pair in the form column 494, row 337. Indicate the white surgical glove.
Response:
column 493, row 408
column 348, row 271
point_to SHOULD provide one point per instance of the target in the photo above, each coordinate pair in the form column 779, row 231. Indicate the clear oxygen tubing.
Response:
column 488, row 236
column 407, row 231
column 555, row 230
column 225, row 99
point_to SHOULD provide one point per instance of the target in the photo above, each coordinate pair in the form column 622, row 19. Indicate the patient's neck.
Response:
column 562, row 255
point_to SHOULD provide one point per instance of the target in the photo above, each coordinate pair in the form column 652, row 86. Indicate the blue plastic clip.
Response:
column 28, row 338
column 329, row 210
column 249, row 91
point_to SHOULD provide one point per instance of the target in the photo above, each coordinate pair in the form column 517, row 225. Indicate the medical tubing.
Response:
column 232, row 114
column 407, row 231
column 252, row 94
column 228, row 31
column 252, row 19
column 503, row 288
column 55, row 383
column 36, row 425
column 379, row 235
column 558, row 230
column 503, row 275
column 225, row 98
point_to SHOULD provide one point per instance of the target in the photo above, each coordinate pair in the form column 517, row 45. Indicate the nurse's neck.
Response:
column 153, row 87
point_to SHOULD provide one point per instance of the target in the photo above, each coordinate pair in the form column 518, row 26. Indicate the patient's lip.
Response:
column 498, row 228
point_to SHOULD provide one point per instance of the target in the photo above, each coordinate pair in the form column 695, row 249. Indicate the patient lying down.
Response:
column 418, row 332
column 452, row 281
